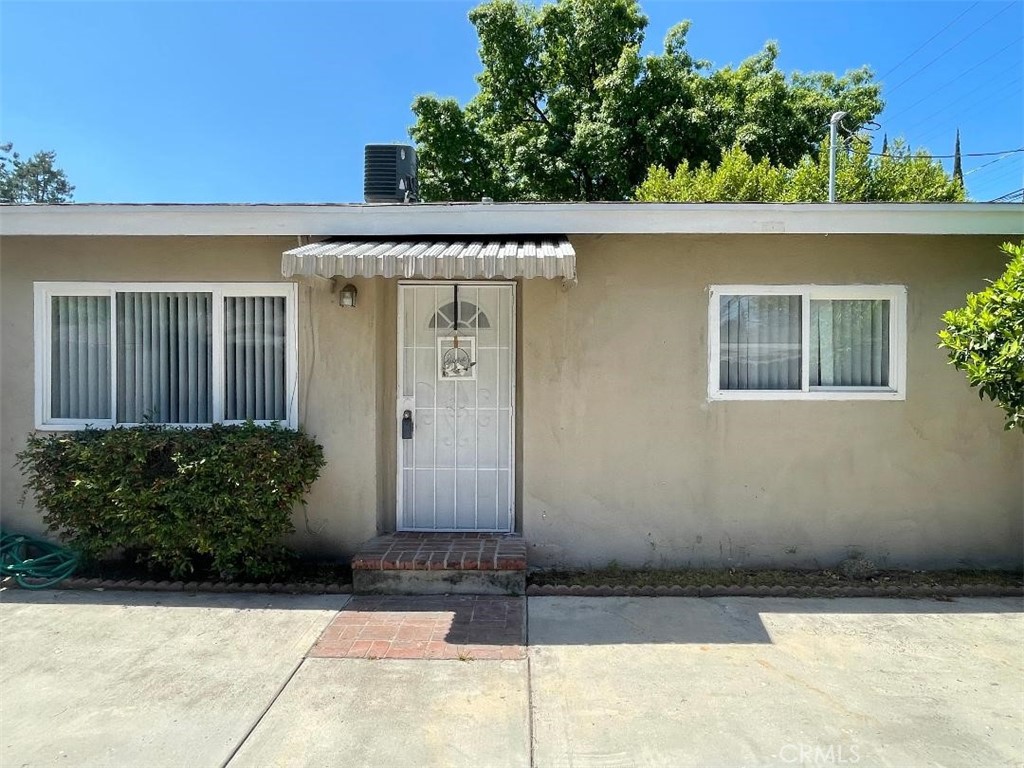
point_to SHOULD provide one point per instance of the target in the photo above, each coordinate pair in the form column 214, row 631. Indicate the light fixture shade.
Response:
column 347, row 297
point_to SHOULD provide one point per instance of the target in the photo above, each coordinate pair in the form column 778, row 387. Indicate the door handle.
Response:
column 407, row 425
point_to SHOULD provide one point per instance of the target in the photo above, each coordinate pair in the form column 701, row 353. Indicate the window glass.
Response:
column 136, row 356
column 470, row 316
column 164, row 358
column 80, row 357
column 760, row 342
column 254, row 358
column 849, row 344
column 807, row 342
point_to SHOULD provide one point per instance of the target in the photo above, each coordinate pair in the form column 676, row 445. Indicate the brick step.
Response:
column 441, row 563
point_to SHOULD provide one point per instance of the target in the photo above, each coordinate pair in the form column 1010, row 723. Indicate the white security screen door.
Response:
column 456, row 352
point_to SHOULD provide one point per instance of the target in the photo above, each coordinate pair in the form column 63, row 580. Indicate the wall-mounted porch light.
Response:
column 347, row 296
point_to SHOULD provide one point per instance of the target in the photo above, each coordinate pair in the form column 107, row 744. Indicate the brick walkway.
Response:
column 467, row 627
column 442, row 551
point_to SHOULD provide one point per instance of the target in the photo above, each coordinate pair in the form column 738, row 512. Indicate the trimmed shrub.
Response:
column 216, row 498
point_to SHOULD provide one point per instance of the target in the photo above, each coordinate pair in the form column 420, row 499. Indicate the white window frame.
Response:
column 895, row 294
column 43, row 292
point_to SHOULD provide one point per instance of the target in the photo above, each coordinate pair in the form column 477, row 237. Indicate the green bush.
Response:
column 214, row 498
column 985, row 338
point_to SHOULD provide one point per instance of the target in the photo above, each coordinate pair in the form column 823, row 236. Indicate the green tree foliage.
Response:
column 569, row 109
column 985, row 338
column 36, row 180
column 897, row 176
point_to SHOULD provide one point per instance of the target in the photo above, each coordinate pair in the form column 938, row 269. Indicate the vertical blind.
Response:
column 760, row 342
column 164, row 357
column 254, row 352
column 139, row 356
column 80, row 357
column 849, row 343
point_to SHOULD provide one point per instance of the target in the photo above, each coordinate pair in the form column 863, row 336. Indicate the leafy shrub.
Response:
column 219, row 497
column 985, row 338
column 898, row 175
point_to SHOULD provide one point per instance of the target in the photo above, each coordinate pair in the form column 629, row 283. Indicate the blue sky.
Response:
column 273, row 102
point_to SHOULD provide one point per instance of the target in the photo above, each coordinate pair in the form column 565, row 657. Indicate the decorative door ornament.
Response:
column 456, row 357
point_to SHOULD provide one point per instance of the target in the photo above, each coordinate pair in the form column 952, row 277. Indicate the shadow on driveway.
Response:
column 718, row 620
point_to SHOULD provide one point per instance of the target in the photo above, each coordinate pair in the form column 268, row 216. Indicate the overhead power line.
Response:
column 954, row 45
column 971, row 97
column 1004, row 153
column 950, row 82
column 1010, row 197
column 922, row 45
column 991, row 162
column 999, row 175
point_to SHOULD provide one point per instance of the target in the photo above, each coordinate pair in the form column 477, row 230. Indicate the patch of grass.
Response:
column 614, row 575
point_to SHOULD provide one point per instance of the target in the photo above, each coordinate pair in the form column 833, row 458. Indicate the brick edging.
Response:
column 708, row 590
column 137, row 585
column 551, row 590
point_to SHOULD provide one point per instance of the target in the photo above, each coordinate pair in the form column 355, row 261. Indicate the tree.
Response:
column 958, row 168
column 896, row 176
column 985, row 338
column 36, row 180
column 569, row 109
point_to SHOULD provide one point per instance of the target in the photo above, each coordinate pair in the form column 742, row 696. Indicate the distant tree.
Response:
column 896, row 176
column 885, row 143
column 569, row 109
column 958, row 169
column 985, row 338
column 36, row 180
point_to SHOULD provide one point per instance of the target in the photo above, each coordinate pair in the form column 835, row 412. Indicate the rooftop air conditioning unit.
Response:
column 390, row 174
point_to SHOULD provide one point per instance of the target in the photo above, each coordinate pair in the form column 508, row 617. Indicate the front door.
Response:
column 456, row 374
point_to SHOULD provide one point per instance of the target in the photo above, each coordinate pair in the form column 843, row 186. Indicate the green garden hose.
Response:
column 35, row 563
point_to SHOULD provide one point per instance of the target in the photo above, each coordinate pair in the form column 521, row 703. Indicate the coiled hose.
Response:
column 35, row 563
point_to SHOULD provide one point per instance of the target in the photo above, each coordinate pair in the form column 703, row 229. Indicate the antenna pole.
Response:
column 837, row 117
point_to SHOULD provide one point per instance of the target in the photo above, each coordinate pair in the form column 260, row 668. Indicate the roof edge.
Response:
column 465, row 219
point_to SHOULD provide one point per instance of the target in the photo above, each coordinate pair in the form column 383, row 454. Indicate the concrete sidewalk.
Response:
column 150, row 679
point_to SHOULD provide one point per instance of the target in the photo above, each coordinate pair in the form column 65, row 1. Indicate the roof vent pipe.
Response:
column 389, row 174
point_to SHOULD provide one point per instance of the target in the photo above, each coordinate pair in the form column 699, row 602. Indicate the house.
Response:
column 670, row 384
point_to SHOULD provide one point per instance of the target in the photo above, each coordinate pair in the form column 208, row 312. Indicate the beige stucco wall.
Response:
column 621, row 456
column 625, row 458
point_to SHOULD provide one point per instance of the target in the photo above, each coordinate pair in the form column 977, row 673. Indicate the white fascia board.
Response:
column 511, row 219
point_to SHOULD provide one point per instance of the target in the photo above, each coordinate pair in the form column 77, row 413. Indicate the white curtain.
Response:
column 164, row 357
column 254, row 358
column 760, row 342
column 849, row 343
column 80, row 357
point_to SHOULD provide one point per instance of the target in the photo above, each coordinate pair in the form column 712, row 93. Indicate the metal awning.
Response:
column 548, row 256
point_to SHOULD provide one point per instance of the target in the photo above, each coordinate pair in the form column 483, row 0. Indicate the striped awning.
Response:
column 545, row 256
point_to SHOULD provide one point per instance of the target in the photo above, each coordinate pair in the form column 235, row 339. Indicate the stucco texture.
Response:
column 625, row 459
column 621, row 456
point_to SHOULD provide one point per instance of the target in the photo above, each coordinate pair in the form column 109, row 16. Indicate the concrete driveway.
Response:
column 758, row 682
column 148, row 679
